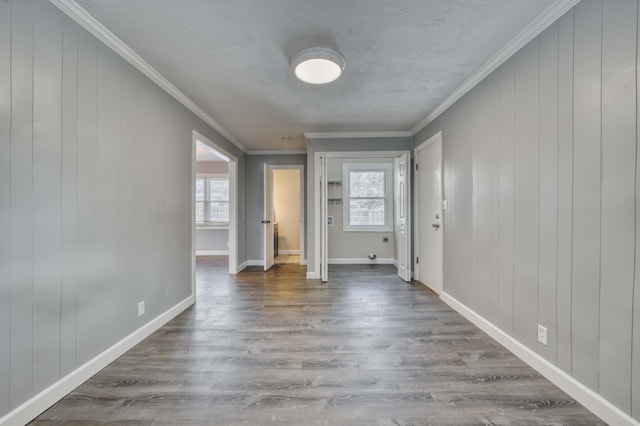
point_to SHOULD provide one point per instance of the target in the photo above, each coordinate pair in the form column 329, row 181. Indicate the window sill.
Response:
column 205, row 227
column 368, row 229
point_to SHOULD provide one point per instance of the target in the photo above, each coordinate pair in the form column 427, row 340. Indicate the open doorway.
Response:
column 214, row 203
column 287, row 203
column 362, row 213
column 284, row 215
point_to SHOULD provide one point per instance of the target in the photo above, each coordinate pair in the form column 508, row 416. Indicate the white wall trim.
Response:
column 541, row 23
column 303, row 261
column 352, row 135
column 288, row 251
column 585, row 396
column 259, row 262
column 395, row 262
column 277, row 152
column 30, row 409
column 212, row 252
column 242, row 266
column 313, row 275
column 91, row 24
column 361, row 261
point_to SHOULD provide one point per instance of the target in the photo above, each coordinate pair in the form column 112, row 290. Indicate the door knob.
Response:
column 435, row 226
column 266, row 222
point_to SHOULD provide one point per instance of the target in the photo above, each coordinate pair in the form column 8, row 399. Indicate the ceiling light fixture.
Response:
column 317, row 65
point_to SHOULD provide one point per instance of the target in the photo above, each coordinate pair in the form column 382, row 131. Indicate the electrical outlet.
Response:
column 385, row 239
column 542, row 334
column 141, row 308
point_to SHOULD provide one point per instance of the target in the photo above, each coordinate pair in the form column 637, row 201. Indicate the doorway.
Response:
column 214, row 198
column 382, row 208
column 429, row 214
column 284, row 230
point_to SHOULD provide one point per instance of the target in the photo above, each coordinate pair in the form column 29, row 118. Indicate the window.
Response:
column 367, row 197
column 212, row 200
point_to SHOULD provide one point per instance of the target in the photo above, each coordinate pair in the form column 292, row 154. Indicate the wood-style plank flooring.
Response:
column 273, row 348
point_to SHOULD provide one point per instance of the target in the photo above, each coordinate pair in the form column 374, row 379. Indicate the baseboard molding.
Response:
column 361, row 261
column 313, row 275
column 303, row 261
column 30, row 409
column 395, row 262
column 585, row 396
column 243, row 265
column 212, row 252
column 288, row 251
column 255, row 262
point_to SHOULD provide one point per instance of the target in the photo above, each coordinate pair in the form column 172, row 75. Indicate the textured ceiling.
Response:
column 403, row 57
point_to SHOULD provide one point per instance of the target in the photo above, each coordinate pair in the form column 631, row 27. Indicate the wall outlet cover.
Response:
column 542, row 334
column 141, row 308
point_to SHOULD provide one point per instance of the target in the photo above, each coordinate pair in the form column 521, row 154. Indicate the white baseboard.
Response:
column 360, row 261
column 313, row 275
column 585, row 396
column 288, row 251
column 30, row 409
column 212, row 252
column 303, row 261
column 395, row 262
column 259, row 262
column 243, row 265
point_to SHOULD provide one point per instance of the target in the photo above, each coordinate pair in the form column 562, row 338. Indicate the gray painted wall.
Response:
column 212, row 167
column 212, row 239
column 255, row 198
column 88, row 224
column 540, row 165
column 339, row 145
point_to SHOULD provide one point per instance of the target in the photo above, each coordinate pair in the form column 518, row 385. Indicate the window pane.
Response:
column 218, row 189
column 366, row 184
column 366, row 212
column 218, row 211
column 199, row 189
column 199, row 211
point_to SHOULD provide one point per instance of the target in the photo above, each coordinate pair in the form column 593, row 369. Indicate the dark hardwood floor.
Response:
column 273, row 348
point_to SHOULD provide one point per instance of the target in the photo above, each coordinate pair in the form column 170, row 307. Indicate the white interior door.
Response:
column 402, row 221
column 268, row 218
column 429, row 262
column 324, row 213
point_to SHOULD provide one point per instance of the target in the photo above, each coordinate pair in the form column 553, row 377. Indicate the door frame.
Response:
column 303, row 241
column 233, row 204
column 416, row 204
column 317, row 193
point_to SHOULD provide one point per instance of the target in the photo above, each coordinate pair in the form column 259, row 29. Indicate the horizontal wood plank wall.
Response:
column 566, row 132
column 95, row 180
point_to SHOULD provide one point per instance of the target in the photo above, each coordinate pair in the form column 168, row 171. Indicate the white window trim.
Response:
column 213, row 225
column 388, row 197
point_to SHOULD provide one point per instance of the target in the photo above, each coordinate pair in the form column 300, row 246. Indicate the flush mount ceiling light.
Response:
column 317, row 65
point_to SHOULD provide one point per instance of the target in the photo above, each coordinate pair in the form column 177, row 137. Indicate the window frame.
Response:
column 207, row 200
column 387, row 168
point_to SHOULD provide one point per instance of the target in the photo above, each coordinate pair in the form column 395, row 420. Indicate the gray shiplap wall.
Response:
column 540, row 170
column 95, row 198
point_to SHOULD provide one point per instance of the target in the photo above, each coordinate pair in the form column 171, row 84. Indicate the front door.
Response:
column 429, row 215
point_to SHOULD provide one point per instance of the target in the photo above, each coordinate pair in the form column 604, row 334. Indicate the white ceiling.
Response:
column 403, row 57
column 206, row 154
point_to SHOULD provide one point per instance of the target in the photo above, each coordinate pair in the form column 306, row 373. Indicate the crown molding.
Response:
column 351, row 135
column 91, row 24
column 277, row 152
column 541, row 23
